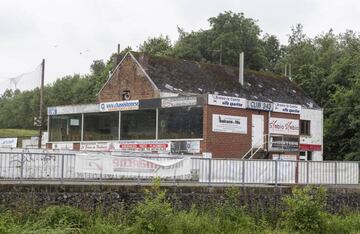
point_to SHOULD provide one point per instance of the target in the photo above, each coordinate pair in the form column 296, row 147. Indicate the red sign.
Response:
column 310, row 147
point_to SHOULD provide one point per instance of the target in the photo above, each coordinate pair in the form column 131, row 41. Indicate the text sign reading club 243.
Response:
column 219, row 100
column 118, row 106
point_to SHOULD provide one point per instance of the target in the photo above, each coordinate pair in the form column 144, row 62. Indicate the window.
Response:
column 305, row 127
column 101, row 126
column 138, row 125
column 180, row 122
column 65, row 128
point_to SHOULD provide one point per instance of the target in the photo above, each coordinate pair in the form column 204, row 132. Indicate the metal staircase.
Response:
column 256, row 151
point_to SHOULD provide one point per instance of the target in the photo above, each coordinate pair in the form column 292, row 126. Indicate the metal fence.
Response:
column 96, row 166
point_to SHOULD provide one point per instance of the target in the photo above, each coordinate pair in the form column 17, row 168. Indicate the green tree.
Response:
column 159, row 46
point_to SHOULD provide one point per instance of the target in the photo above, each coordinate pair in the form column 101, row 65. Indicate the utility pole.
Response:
column 41, row 102
column 221, row 54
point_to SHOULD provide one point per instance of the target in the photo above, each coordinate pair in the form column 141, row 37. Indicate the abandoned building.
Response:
column 171, row 106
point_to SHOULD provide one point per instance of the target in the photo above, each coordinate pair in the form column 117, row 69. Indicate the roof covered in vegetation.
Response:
column 189, row 77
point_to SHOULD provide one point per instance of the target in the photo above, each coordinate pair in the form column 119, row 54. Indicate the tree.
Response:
column 159, row 46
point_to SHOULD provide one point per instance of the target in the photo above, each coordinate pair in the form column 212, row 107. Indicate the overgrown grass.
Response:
column 23, row 133
column 305, row 213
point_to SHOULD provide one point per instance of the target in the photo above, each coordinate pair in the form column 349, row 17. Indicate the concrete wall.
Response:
column 93, row 197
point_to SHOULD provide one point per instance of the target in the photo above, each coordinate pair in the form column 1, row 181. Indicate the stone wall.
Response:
column 94, row 197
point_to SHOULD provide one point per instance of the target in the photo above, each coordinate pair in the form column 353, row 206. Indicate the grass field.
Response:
column 24, row 133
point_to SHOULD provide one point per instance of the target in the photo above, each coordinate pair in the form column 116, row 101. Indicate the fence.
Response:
column 95, row 166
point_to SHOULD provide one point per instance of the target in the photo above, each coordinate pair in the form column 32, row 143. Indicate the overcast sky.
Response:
column 70, row 34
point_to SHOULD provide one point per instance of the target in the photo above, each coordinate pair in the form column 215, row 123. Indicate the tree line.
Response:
column 326, row 66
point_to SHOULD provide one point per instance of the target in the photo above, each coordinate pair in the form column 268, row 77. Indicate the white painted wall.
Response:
column 316, row 130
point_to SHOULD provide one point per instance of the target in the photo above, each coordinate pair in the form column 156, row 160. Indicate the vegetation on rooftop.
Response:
column 326, row 67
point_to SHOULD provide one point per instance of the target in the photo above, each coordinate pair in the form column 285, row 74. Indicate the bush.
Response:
column 305, row 210
column 62, row 217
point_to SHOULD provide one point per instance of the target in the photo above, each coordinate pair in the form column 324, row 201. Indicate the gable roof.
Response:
column 185, row 77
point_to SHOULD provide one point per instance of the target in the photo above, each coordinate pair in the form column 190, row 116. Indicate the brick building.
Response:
column 167, row 105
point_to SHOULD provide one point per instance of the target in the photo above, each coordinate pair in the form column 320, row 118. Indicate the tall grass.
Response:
column 304, row 213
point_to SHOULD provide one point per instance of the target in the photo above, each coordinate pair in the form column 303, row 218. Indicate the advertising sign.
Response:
column 97, row 146
column 149, row 146
column 119, row 106
column 8, row 142
column 219, row 100
column 62, row 146
column 178, row 101
column 284, row 126
column 287, row 108
column 229, row 123
column 284, row 143
column 185, row 147
column 257, row 105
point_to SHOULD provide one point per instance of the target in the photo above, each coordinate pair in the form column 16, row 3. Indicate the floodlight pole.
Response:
column 41, row 102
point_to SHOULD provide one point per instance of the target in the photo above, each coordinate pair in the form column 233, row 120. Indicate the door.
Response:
column 257, row 131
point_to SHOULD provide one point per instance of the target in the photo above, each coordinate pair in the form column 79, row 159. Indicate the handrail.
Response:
column 251, row 149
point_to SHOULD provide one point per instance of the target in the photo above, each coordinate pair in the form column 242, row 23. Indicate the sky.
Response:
column 71, row 34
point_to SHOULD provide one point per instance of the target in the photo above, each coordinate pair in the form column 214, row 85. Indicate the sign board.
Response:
column 229, row 123
column 283, row 143
column 97, row 146
column 257, row 105
column 286, row 157
column 284, row 126
column 178, row 101
column 185, row 147
column 146, row 146
column 287, row 108
column 310, row 147
column 62, row 146
column 219, row 100
column 119, row 106
column 73, row 109
column 8, row 142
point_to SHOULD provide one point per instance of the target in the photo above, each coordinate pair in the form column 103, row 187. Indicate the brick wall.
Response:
column 128, row 76
column 233, row 145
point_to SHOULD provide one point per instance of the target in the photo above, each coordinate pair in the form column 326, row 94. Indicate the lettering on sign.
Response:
column 179, row 101
column 118, row 106
column 284, row 126
column 229, row 123
column 287, row 108
column 284, row 143
column 257, row 105
column 219, row 100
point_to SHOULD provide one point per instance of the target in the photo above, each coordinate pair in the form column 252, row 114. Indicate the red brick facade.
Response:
column 233, row 145
column 128, row 76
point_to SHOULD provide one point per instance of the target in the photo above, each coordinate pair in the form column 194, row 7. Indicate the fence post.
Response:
column 21, row 167
column 335, row 181
column 243, row 172
column 276, row 172
column 307, row 172
column 62, row 168
column 209, row 171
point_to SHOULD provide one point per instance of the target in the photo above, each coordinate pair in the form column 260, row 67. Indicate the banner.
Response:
column 219, row 100
column 284, row 126
column 229, row 123
column 178, row 101
column 8, row 142
column 118, row 106
column 287, row 108
column 132, row 166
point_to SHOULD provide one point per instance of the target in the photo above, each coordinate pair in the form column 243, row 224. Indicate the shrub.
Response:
column 62, row 217
column 305, row 210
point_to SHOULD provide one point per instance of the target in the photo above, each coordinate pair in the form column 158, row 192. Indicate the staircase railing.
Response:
column 251, row 150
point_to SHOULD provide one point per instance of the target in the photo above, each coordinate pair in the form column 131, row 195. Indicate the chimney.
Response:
column 241, row 68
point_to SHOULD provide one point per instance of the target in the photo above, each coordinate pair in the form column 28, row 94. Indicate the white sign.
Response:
column 97, row 164
column 8, row 142
column 118, row 106
column 62, row 146
column 179, row 101
column 97, row 146
column 229, row 123
column 74, row 122
column 287, row 108
column 219, row 100
column 284, row 126
column 257, row 105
